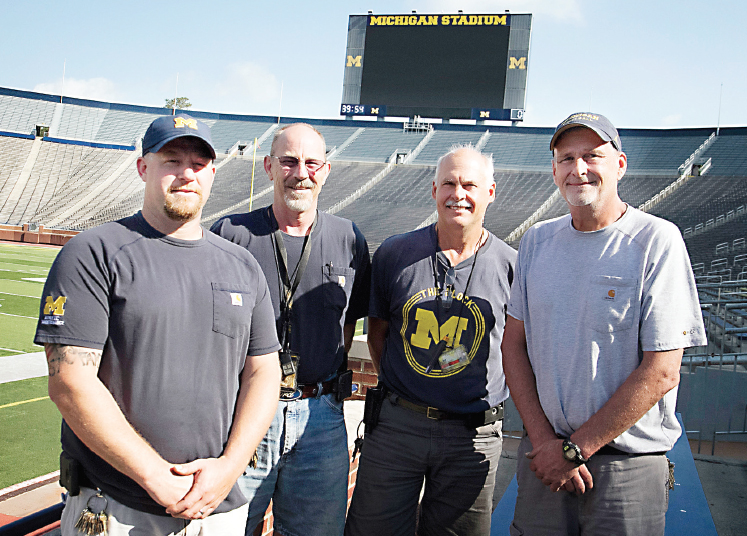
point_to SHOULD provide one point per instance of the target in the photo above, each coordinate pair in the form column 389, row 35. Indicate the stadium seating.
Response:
column 64, row 184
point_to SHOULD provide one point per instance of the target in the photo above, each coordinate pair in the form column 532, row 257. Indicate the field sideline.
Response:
column 30, row 421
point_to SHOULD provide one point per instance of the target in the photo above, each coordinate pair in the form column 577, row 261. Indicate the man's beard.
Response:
column 302, row 202
column 182, row 208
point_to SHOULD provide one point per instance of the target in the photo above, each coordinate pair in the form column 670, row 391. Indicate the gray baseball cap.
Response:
column 596, row 122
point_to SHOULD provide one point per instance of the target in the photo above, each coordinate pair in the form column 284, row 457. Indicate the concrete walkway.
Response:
column 22, row 367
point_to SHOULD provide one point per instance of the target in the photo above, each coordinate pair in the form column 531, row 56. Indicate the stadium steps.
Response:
column 397, row 202
column 332, row 155
column 14, row 153
column 19, row 114
column 94, row 200
column 15, row 195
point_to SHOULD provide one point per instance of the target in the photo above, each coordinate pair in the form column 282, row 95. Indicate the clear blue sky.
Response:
column 643, row 64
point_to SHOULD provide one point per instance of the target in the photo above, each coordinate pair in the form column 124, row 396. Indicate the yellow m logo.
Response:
column 180, row 122
column 484, row 113
column 517, row 63
column 428, row 329
column 375, row 111
column 55, row 307
column 354, row 61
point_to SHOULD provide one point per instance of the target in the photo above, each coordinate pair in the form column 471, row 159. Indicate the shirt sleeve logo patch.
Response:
column 237, row 299
column 53, row 310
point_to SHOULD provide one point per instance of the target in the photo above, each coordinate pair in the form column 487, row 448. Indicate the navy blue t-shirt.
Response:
column 403, row 292
column 176, row 320
column 333, row 291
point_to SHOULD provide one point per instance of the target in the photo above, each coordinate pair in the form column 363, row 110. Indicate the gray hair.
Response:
column 487, row 159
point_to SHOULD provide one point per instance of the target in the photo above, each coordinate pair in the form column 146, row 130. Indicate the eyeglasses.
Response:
column 290, row 162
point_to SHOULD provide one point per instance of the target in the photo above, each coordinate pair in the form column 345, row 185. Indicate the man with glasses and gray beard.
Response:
column 318, row 270
column 438, row 302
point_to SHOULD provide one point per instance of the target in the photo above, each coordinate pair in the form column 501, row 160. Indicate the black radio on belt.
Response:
column 288, row 362
column 343, row 385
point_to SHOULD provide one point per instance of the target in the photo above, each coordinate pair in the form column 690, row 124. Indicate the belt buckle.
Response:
column 435, row 415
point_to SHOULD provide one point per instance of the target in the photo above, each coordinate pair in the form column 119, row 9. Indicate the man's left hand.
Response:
column 213, row 480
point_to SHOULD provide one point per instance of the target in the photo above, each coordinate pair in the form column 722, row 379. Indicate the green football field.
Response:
column 29, row 421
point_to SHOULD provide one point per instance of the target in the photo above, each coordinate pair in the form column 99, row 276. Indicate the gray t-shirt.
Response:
column 332, row 292
column 592, row 303
column 176, row 320
column 403, row 292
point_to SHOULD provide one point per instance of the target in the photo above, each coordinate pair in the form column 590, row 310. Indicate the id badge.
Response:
column 453, row 358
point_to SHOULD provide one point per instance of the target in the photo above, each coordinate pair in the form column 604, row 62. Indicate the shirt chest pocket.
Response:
column 232, row 309
column 338, row 285
column 610, row 303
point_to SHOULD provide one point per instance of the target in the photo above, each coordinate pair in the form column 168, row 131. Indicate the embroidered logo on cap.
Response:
column 181, row 122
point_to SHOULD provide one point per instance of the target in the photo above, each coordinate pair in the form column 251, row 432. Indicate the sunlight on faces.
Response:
column 586, row 169
column 179, row 178
column 464, row 187
column 296, row 186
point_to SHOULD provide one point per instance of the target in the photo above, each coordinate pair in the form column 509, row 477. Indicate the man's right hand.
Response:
column 166, row 488
column 549, row 465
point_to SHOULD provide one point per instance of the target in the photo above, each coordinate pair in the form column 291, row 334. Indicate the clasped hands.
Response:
column 194, row 490
column 549, row 465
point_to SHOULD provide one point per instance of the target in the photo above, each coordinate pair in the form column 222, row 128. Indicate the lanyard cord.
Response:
column 442, row 343
column 466, row 287
column 288, row 285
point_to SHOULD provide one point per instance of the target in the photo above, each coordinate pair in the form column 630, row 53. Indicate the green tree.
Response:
column 182, row 103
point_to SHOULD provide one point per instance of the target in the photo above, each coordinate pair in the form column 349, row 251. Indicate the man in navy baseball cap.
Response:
column 170, row 127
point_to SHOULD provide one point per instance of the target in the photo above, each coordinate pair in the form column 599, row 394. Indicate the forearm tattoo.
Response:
column 59, row 355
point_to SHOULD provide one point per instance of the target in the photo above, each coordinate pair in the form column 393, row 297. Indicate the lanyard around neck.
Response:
column 288, row 284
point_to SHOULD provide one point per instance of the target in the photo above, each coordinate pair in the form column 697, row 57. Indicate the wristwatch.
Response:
column 572, row 453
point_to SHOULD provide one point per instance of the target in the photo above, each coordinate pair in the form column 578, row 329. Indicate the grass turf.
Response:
column 30, row 438
column 30, row 441
column 23, row 269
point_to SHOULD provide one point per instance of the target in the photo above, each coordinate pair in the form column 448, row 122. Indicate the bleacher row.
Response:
column 57, row 183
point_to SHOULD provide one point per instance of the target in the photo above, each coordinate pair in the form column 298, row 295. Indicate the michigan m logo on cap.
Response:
column 181, row 122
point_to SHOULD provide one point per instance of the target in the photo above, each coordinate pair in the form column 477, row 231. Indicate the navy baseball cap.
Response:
column 596, row 122
column 170, row 127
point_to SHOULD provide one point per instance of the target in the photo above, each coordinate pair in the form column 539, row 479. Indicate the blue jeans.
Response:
column 303, row 467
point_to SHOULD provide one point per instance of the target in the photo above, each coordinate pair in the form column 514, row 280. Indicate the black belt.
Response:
column 609, row 450
column 474, row 420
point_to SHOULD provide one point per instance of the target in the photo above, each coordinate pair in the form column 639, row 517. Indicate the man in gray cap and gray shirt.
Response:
column 602, row 305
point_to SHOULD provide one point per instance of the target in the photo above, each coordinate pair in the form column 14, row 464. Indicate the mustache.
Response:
column 173, row 189
column 306, row 183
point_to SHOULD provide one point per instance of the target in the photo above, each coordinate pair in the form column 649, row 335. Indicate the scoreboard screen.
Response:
column 442, row 66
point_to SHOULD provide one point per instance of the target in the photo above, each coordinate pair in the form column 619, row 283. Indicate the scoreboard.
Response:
column 458, row 66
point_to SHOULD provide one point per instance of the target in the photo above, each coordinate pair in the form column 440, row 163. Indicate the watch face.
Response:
column 569, row 453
